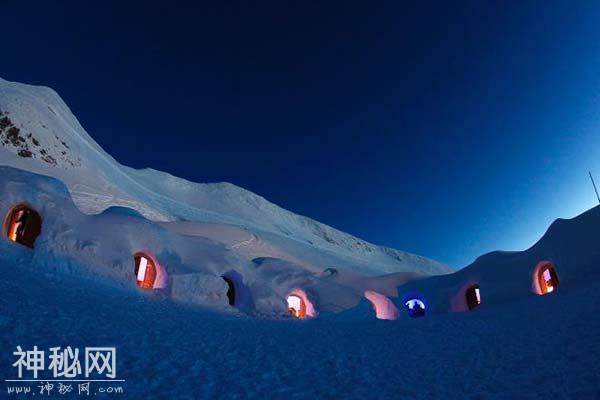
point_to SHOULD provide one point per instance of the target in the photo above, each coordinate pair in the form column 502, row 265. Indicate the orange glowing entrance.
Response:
column 473, row 297
column 23, row 225
column 144, row 270
column 545, row 278
column 296, row 306
column 299, row 304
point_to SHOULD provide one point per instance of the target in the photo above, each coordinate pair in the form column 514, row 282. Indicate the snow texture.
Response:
column 101, row 247
column 46, row 138
column 516, row 345
column 77, row 287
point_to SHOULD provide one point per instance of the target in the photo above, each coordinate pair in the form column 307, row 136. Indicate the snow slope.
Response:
column 39, row 133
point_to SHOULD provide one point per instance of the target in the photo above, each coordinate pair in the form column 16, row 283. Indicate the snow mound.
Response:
column 191, row 267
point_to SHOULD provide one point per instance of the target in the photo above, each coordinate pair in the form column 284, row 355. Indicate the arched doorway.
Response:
column 23, row 225
column 415, row 305
column 145, row 270
column 545, row 278
column 230, row 290
column 296, row 306
column 299, row 305
column 415, row 308
column 238, row 294
column 473, row 296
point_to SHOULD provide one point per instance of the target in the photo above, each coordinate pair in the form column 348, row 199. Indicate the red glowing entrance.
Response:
column 299, row 306
column 144, row 270
column 23, row 225
column 296, row 306
column 545, row 278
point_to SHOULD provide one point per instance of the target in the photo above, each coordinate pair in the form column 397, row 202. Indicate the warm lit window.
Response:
column 545, row 278
column 299, row 305
column 145, row 271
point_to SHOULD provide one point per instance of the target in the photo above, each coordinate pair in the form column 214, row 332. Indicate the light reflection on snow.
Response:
column 412, row 303
column 384, row 308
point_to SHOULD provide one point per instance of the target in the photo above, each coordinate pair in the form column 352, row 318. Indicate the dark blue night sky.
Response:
column 448, row 130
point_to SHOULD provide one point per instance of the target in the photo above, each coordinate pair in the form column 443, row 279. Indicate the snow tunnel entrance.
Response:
column 384, row 308
column 415, row 308
column 545, row 278
column 23, row 225
column 144, row 270
column 415, row 304
column 473, row 297
column 299, row 306
column 230, row 290
column 296, row 306
column 238, row 294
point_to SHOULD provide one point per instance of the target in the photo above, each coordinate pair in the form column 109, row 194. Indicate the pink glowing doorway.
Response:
column 299, row 305
column 384, row 308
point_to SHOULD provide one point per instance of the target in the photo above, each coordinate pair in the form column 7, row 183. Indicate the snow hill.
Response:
column 38, row 133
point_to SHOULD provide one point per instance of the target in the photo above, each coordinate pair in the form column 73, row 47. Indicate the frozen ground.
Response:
column 539, row 347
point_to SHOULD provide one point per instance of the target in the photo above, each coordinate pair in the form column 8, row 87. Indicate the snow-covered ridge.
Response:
column 96, row 182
